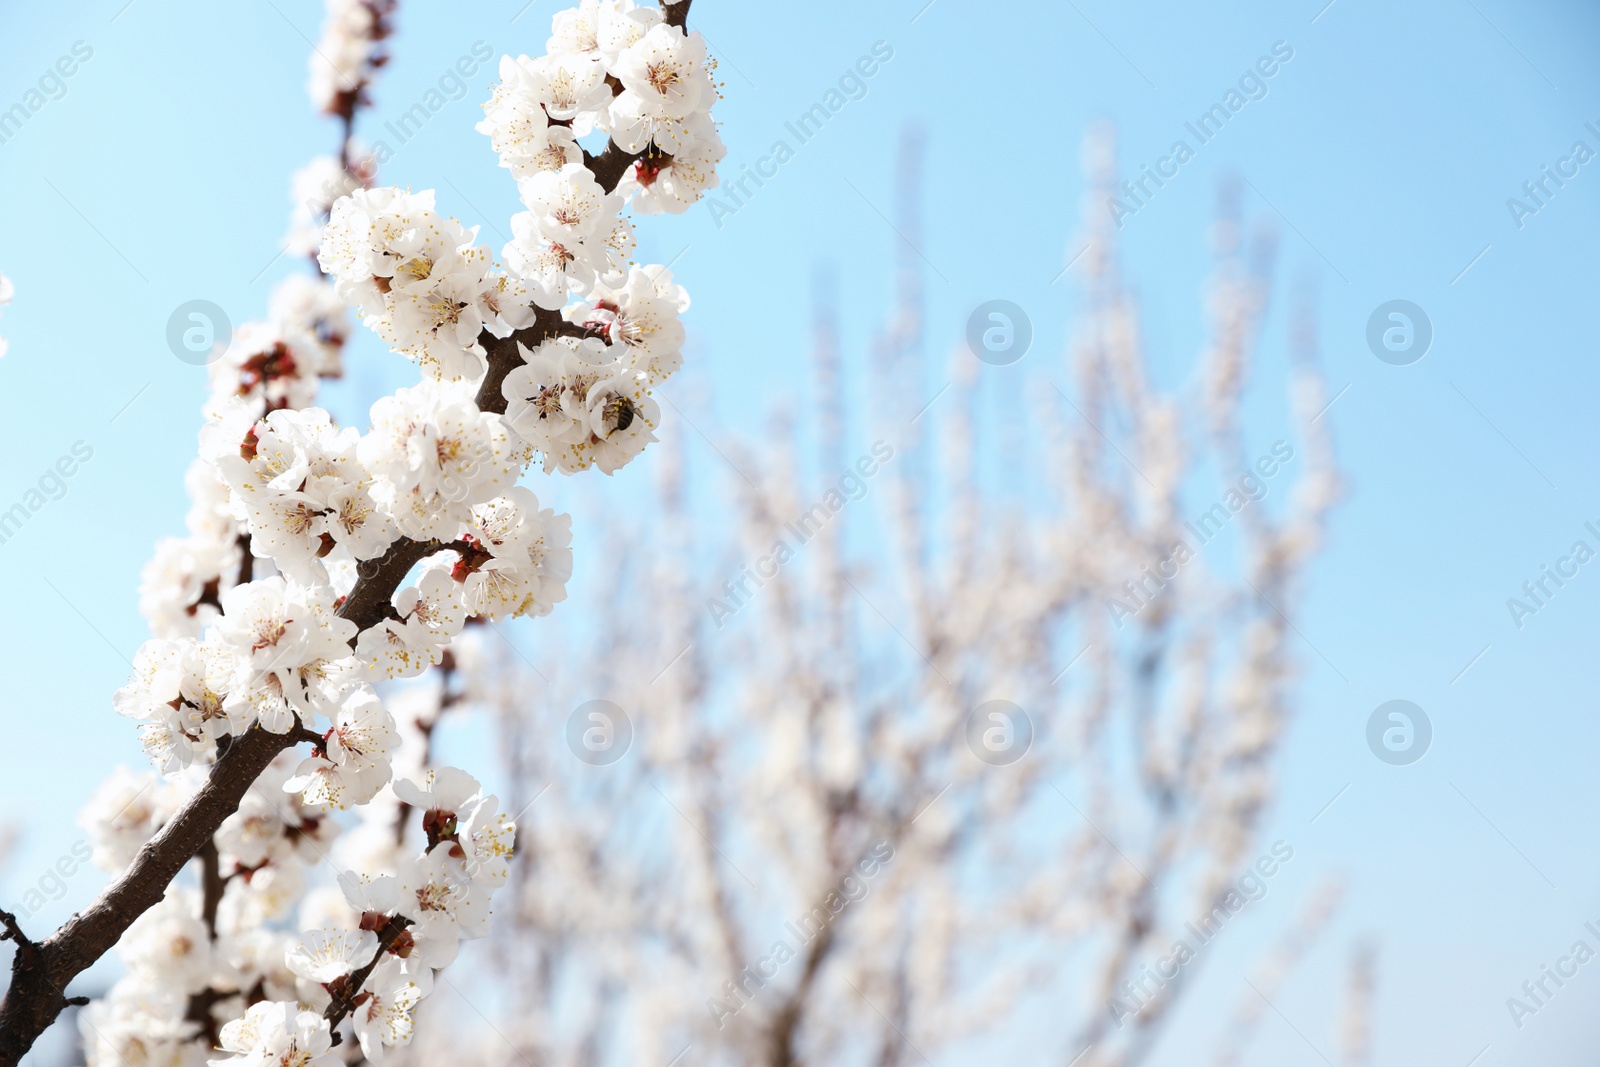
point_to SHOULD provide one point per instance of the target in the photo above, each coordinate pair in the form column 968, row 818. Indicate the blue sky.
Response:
column 1385, row 150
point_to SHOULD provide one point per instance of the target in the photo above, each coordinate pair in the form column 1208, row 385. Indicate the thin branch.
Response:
column 301, row 735
column 784, row 1029
column 13, row 932
column 348, row 993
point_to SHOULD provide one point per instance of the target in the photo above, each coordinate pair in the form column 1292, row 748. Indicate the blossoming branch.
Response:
column 322, row 562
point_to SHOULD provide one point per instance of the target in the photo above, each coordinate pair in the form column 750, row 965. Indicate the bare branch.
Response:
column 13, row 931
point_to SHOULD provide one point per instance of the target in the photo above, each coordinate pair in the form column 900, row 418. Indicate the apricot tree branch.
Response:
column 40, row 972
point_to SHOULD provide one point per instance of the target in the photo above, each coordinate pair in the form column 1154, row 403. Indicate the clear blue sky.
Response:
column 1388, row 147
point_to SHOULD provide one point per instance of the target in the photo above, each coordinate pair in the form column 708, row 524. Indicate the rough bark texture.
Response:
column 368, row 600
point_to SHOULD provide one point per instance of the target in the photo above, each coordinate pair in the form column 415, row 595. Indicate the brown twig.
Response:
column 349, row 991
column 212, row 884
column 13, row 932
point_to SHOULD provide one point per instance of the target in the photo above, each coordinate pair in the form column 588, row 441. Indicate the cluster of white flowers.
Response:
column 586, row 401
column 236, row 976
column 6, row 292
column 350, row 51
column 323, row 566
column 611, row 332
column 619, row 68
column 269, row 366
column 422, row 284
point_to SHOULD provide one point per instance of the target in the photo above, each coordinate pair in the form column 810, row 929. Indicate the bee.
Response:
column 621, row 409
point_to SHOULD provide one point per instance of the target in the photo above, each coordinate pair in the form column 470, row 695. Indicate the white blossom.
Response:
column 323, row 955
column 529, row 557
column 673, row 183
column 124, row 813
column 274, row 363
column 384, row 1020
column 569, row 88
column 170, row 945
column 310, row 307
column 568, row 206
column 433, row 455
column 179, row 692
column 355, row 763
column 285, row 640
column 665, row 80
column 440, row 791
column 438, row 896
column 642, row 317
column 277, row 1034
column 139, row 1025
column 518, row 126
column 487, row 836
